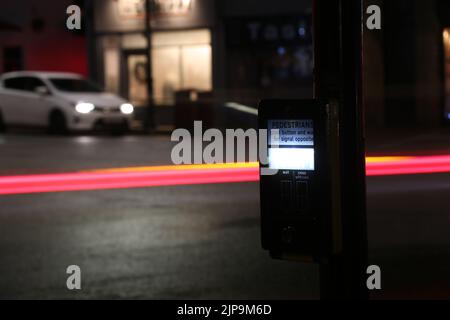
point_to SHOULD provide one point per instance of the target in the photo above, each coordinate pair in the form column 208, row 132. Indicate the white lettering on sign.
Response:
column 272, row 32
column 131, row 9
column 288, row 32
column 171, row 7
column 135, row 9
column 254, row 30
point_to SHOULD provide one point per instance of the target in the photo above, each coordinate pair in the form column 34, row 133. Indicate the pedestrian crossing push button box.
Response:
column 300, row 206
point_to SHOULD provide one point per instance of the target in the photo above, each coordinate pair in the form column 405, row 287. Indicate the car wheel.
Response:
column 2, row 123
column 57, row 123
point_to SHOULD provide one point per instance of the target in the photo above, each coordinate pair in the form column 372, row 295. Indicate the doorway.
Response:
column 446, row 36
column 135, row 87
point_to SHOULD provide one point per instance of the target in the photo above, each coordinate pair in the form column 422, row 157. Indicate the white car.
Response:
column 61, row 102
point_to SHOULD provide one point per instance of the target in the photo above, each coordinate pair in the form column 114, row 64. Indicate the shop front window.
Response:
column 111, row 67
column 180, row 60
column 446, row 35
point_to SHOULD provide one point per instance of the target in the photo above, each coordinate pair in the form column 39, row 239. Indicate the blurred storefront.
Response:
column 269, row 56
column 33, row 36
column 240, row 50
column 407, row 65
column 444, row 14
column 181, row 50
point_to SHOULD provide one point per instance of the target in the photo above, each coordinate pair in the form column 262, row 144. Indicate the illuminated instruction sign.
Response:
column 291, row 145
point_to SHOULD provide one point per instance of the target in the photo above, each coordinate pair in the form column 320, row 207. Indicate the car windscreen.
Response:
column 74, row 85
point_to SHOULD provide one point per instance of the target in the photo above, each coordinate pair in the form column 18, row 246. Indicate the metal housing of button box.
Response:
column 300, row 209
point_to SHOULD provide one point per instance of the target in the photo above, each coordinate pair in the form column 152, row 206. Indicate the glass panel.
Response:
column 197, row 67
column 446, row 35
column 134, row 41
column 180, row 60
column 137, row 80
column 166, row 74
column 112, row 61
column 179, row 38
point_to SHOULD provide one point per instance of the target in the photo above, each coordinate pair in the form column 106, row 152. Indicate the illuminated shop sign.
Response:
column 171, row 7
column 131, row 9
column 135, row 9
column 266, row 31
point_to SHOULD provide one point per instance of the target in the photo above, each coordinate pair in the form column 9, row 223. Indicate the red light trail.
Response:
column 122, row 180
column 409, row 165
column 143, row 177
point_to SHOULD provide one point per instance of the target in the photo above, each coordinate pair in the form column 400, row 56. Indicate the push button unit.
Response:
column 301, row 195
column 286, row 192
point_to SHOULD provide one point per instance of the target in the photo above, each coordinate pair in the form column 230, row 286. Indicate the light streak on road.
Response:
column 158, row 176
column 409, row 166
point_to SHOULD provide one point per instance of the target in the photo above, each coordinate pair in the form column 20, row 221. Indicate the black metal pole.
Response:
column 338, row 28
column 150, row 114
column 90, row 35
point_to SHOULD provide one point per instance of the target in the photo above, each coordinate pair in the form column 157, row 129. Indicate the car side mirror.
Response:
column 42, row 90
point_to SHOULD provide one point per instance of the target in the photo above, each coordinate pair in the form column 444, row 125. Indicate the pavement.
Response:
column 198, row 242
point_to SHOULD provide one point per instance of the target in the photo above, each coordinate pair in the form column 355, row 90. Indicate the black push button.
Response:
column 302, row 188
column 286, row 193
column 288, row 235
column 301, row 195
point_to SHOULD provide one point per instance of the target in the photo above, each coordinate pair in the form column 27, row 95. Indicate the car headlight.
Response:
column 127, row 108
column 84, row 107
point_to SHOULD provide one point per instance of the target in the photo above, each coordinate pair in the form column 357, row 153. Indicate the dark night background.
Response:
column 203, row 241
